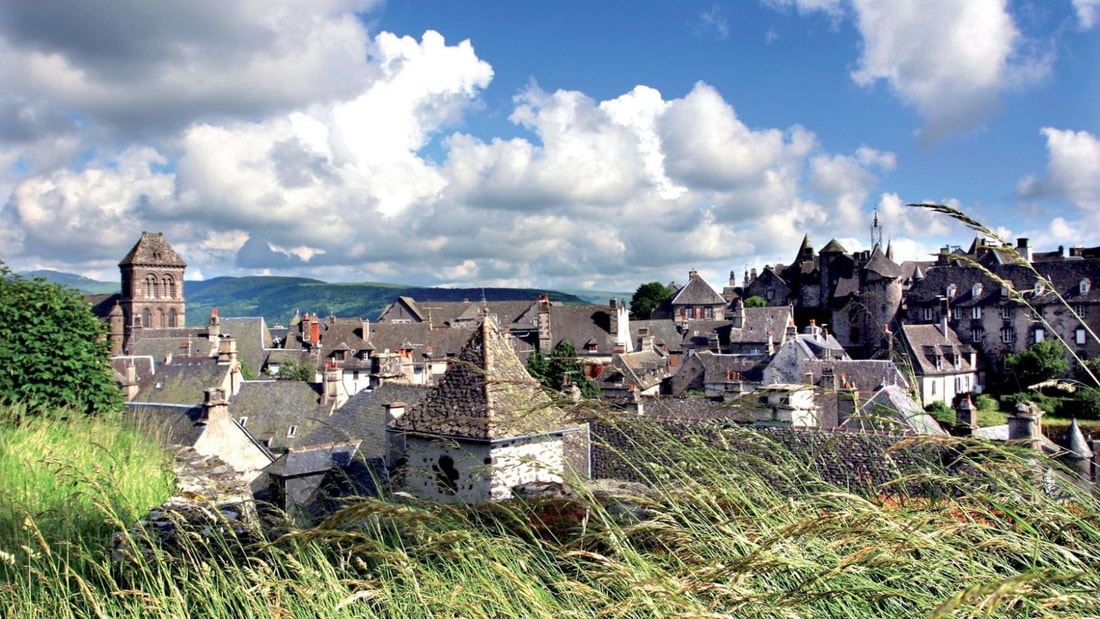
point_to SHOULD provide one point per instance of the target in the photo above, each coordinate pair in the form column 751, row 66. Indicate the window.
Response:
column 769, row 295
column 951, row 288
column 977, row 335
column 1079, row 336
column 146, row 318
column 150, row 287
column 956, row 313
column 976, row 290
column 1006, row 312
column 926, row 313
column 691, row 312
column 1040, row 335
column 1079, row 309
column 290, row 431
column 169, row 288
column 976, row 312
column 1084, row 285
column 1008, row 335
column 244, row 421
column 1038, row 288
column 710, row 312
column 173, row 317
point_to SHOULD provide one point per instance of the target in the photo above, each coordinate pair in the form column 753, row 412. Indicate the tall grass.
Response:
column 712, row 532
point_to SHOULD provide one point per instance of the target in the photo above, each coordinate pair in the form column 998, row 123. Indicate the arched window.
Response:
column 150, row 287
column 976, row 290
column 172, row 318
column 160, row 319
column 169, row 287
column 146, row 318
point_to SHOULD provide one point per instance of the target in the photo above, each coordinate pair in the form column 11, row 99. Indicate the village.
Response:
column 437, row 400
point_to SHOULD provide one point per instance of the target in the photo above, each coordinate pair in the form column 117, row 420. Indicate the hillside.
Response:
column 278, row 298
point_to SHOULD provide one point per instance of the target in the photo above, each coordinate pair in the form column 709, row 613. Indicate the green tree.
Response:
column 646, row 298
column 54, row 354
column 756, row 301
column 537, row 366
column 293, row 370
column 561, row 367
column 1045, row 360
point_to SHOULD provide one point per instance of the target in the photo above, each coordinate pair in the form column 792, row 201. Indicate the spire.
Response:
column 876, row 232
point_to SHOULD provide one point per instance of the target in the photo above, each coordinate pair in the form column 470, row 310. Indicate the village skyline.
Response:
column 556, row 146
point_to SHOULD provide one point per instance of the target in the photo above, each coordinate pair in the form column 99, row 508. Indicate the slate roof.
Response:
column 273, row 406
column 882, row 265
column 833, row 247
column 175, row 425
column 183, row 381
column 159, row 343
column 102, row 304
column 152, row 249
column 864, row 375
column 486, row 394
column 253, row 339
column 926, row 342
column 664, row 331
column 717, row 367
column 758, row 322
column 361, row 418
column 892, row 410
column 697, row 334
column 582, row 325
column 688, row 409
column 311, row 460
column 697, row 292
column 1065, row 275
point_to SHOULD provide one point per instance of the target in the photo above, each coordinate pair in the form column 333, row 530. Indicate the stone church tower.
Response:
column 152, row 286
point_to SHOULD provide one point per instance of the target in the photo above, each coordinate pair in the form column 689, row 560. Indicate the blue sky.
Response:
column 556, row 144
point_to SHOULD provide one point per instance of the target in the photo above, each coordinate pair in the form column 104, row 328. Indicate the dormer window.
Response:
column 1083, row 286
column 951, row 289
column 1038, row 288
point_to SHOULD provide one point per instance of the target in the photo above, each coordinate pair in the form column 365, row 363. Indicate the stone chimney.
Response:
column 1025, row 425
column 966, row 416
column 213, row 330
column 846, row 398
column 335, row 395
column 646, row 339
column 1023, row 247
column 215, row 408
column 546, row 340
column 364, row 329
column 227, row 350
column 130, row 387
column 738, row 314
column 616, row 311
column 116, row 329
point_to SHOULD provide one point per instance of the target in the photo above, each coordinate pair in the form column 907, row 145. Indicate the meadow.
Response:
column 713, row 536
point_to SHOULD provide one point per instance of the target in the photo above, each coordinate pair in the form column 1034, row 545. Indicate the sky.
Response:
column 558, row 145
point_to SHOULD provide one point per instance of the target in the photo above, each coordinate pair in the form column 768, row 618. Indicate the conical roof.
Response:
column 834, row 247
column 152, row 250
column 1075, row 441
column 882, row 265
column 486, row 394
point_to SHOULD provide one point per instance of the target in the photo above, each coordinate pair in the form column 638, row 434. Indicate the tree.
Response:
column 1041, row 361
column 560, row 368
column 54, row 355
column 756, row 301
column 646, row 298
column 293, row 370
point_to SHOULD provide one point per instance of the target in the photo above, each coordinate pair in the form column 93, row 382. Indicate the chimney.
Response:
column 1024, row 425
column 966, row 416
column 315, row 329
column 130, row 388
column 545, row 337
column 214, row 405
column 213, row 328
column 941, row 258
column 943, row 325
column 647, row 339
column 168, row 358
column 364, row 328
column 394, row 411
column 845, row 404
column 334, row 393
column 616, row 327
column 1023, row 248
column 227, row 350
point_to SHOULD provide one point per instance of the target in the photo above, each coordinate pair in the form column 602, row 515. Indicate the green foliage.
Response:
column 560, row 368
column 941, row 412
column 1041, row 361
column 646, row 299
column 1050, row 405
column 293, row 370
column 246, row 372
column 756, row 301
column 53, row 351
column 986, row 402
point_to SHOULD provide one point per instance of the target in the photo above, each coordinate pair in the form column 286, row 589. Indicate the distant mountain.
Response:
column 81, row 283
column 600, row 297
column 278, row 298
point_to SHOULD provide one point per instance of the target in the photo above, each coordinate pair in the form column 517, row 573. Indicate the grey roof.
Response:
column 174, row 425
column 892, row 410
column 833, row 247
column 152, row 249
column 664, row 331
column 1075, row 441
column 312, row 460
column 361, row 418
column 582, row 326
column 159, row 343
column 183, row 381
column 486, row 394
column 927, row 342
column 697, row 292
column 689, row 409
column 102, row 304
column 252, row 337
column 759, row 322
column 882, row 265
column 864, row 375
column 273, row 406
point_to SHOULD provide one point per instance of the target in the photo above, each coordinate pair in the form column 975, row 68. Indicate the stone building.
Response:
column 485, row 429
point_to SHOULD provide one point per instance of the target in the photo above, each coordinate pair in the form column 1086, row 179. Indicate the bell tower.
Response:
column 152, row 286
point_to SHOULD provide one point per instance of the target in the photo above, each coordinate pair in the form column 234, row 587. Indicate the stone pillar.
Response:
column 1025, row 425
column 966, row 416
